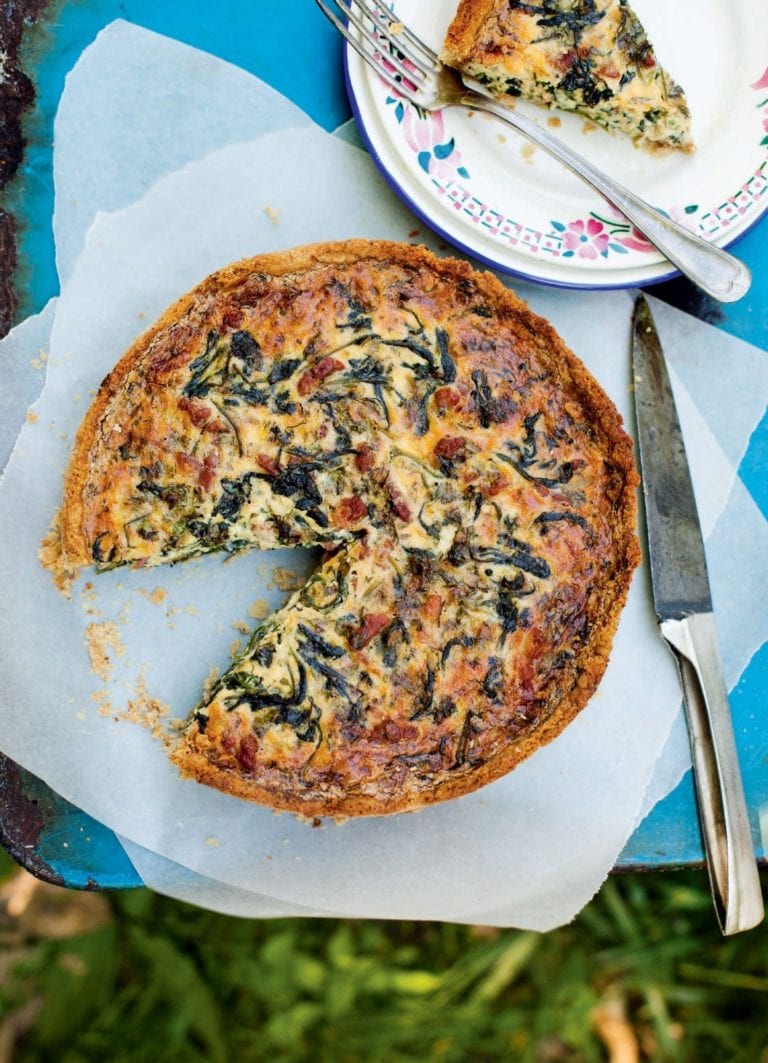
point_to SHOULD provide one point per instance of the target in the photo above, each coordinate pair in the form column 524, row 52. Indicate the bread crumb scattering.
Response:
column 285, row 579
column 51, row 557
column 259, row 609
column 100, row 638
column 157, row 596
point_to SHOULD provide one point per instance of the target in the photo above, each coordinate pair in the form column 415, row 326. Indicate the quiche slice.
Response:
column 470, row 483
column 589, row 56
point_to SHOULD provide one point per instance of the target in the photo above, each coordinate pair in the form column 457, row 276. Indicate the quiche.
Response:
column 469, row 483
column 589, row 56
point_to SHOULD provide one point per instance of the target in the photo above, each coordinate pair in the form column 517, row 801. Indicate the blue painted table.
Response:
column 289, row 45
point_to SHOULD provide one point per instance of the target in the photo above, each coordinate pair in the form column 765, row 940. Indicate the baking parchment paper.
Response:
column 527, row 851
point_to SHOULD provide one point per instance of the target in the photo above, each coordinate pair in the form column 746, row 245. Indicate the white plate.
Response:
column 487, row 190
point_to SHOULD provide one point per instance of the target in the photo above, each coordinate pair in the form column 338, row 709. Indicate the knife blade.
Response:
column 683, row 604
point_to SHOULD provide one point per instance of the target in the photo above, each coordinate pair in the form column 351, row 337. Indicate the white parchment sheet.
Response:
column 529, row 850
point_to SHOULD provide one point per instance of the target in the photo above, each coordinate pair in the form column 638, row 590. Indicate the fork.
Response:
column 415, row 72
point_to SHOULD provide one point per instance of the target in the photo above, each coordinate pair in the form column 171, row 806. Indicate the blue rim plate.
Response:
column 487, row 192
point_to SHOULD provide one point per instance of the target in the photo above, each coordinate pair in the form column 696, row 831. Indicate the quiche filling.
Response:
column 589, row 56
column 470, row 483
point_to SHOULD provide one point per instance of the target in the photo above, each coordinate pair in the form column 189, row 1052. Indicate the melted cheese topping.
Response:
column 471, row 482
column 590, row 56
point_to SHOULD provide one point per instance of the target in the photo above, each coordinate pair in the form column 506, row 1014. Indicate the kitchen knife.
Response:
column 683, row 606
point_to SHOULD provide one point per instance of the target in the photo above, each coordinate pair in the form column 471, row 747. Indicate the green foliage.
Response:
column 168, row 982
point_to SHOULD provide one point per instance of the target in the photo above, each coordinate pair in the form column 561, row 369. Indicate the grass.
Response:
column 642, row 973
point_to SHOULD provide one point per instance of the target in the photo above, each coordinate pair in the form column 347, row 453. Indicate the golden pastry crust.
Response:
column 589, row 56
column 471, row 481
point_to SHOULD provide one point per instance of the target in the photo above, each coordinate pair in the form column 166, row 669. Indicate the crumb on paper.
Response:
column 235, row 647
column 51, row 556
column 142, row 709
column 212, row 841
column 241, row 626
column 32, row 417
column 501, row 138
column 285, row 579
column 554, row 122
column 157, row 596
column 39, row 362
column 588, row 127
column 259, row 609
column 396, row 27
column 414, row 233
column 527, row 152
column 273, row 214
column 103, row 704
column 101, row 638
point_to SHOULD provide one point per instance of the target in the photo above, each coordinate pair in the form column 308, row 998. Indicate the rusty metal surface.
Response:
column 24, row 820
column 17, row 93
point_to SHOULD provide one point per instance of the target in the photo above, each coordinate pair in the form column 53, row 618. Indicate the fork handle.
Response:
column 716, row 272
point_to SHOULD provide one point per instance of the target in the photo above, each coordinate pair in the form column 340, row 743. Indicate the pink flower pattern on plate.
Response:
column 425, row 135
column 588, row 239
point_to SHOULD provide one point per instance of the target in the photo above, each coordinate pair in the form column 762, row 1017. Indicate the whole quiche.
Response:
column 469, row 481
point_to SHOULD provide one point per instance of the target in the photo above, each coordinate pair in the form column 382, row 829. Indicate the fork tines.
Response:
column 394, row 51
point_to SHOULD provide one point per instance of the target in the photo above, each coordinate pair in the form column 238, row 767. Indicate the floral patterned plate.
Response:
column 491, row 193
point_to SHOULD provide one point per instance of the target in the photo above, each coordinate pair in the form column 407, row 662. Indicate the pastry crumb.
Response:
column 259, row 609
column 51, row 556
column 101, row 638
column 212, row 841
column 527, row 152
column 396, row 27
column 32, row 417
column 501, row 138
column 554, row 122
column 241, row 626
column 285, row 579
column 148, row 712
column 273, row 214
column 589, row 127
